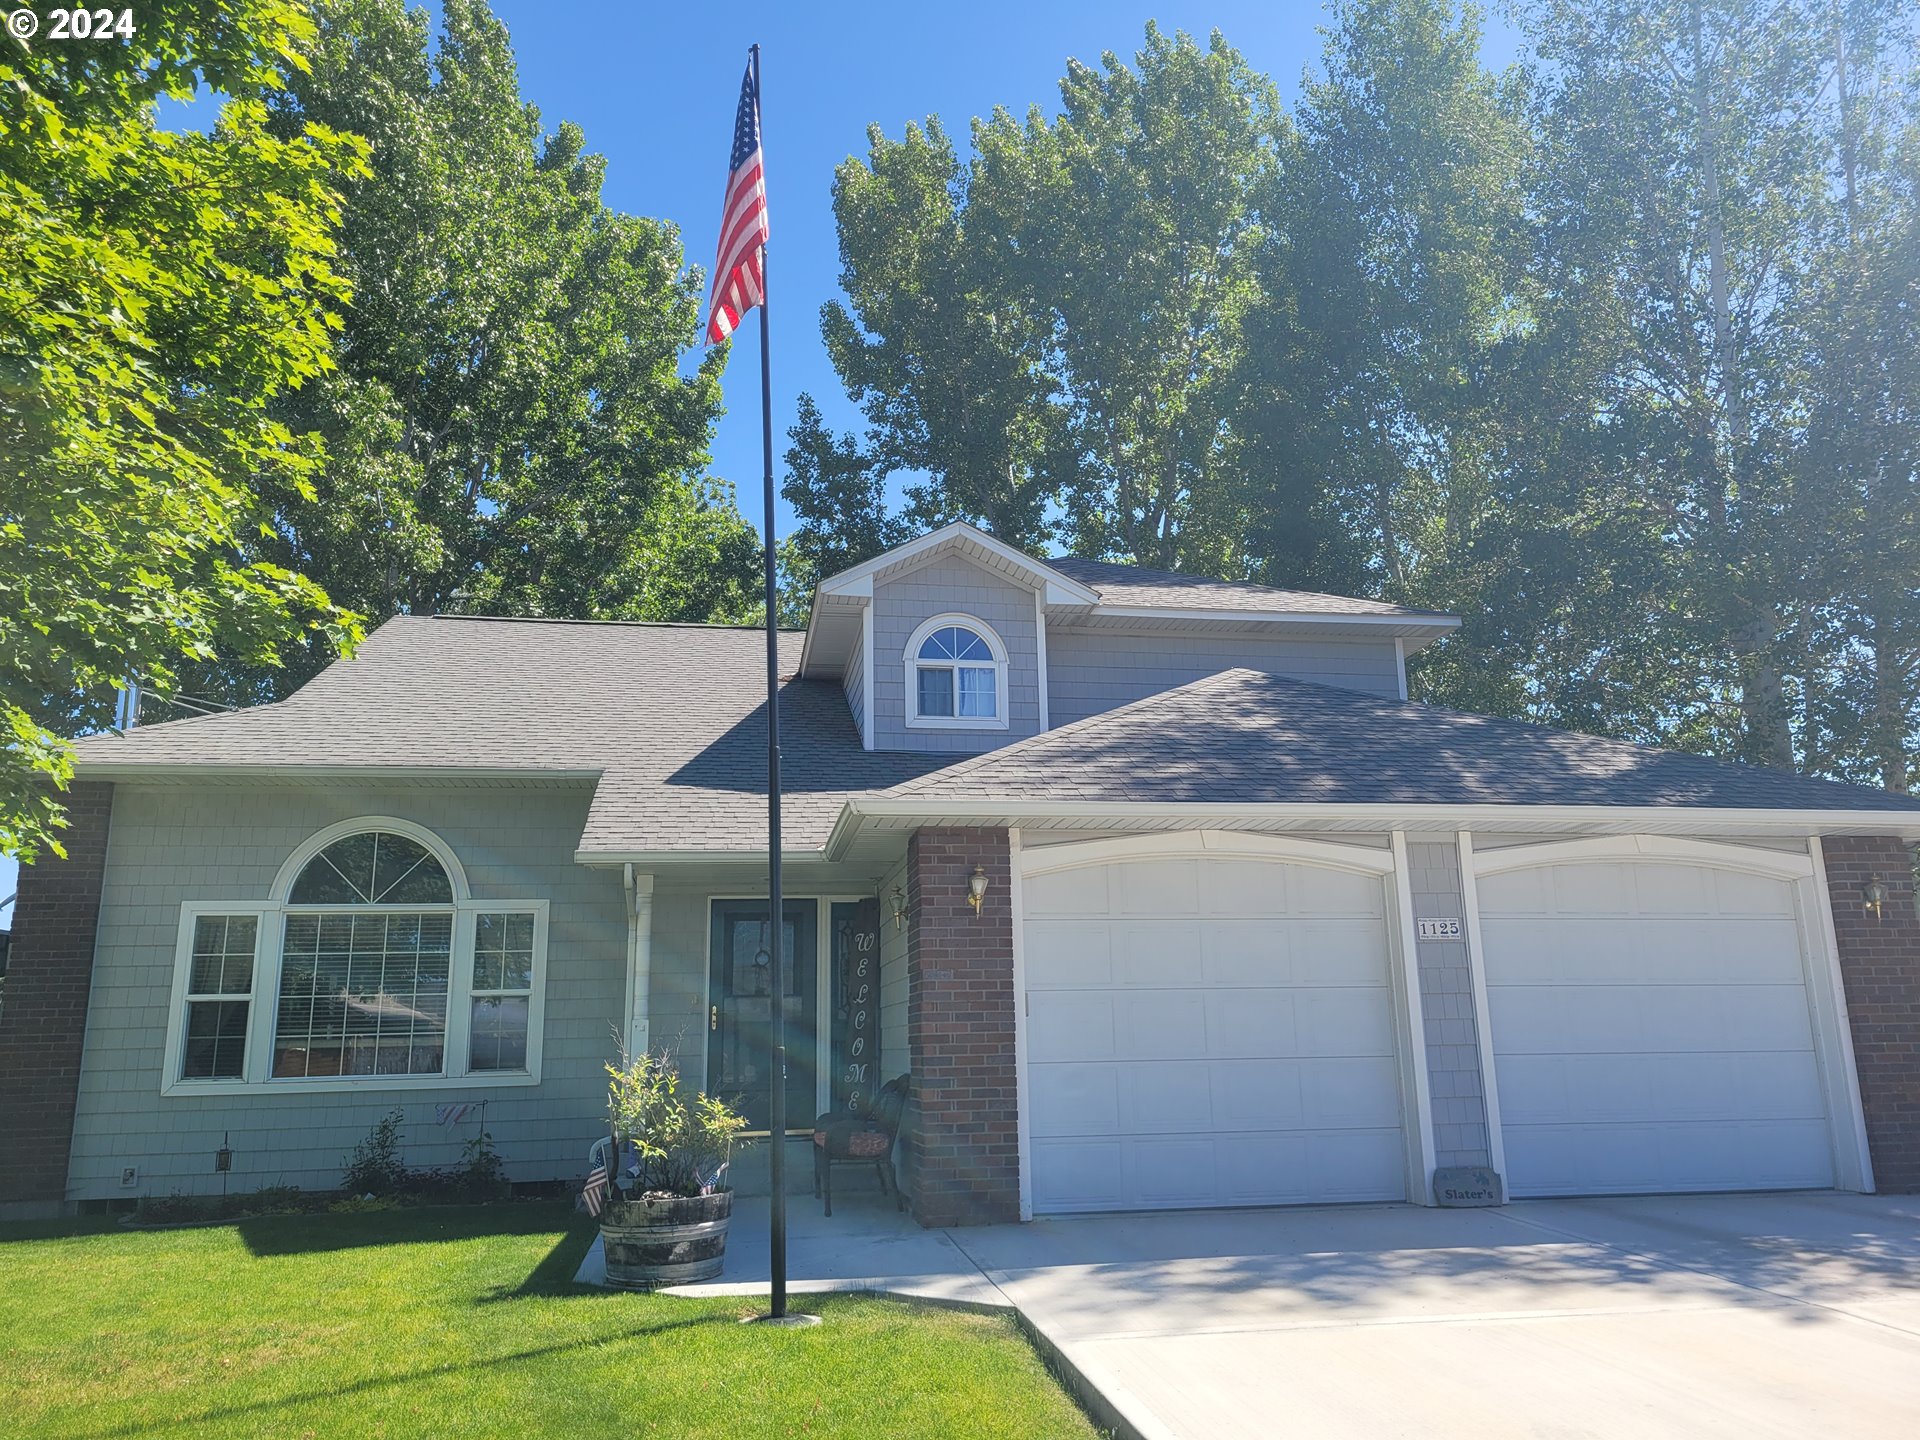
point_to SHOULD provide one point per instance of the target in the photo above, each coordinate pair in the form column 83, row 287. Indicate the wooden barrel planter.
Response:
column 672, row 1241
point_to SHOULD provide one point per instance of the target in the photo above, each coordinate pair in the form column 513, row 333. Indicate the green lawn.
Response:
column 464, row 1322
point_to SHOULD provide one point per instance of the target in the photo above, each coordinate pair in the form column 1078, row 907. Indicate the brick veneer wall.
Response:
column 1880, row 967
column 964, row 1145
column 43, row 1016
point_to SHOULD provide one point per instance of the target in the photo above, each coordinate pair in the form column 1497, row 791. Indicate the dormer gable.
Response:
column 942, row 643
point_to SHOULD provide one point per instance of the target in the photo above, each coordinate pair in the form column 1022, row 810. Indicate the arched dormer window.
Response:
column 370, row 965
column 956, row 675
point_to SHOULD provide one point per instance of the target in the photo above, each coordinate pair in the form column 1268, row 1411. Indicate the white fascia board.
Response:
column 614, row 859
column 859, row 579
column 293, row 774
column 1615, row 819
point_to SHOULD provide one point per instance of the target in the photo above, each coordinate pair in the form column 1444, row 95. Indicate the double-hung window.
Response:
column 371, row 965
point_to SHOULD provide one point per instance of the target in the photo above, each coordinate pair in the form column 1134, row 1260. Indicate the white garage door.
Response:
column 1651, row 1031
column 1209, row 1031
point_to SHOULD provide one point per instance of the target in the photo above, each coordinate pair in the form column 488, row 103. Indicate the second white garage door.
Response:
column 1209, row 1031
column 1651, row 1030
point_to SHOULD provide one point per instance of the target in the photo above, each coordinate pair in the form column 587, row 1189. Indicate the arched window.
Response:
column 956, row 675
column 380, row 969
column 374, row 867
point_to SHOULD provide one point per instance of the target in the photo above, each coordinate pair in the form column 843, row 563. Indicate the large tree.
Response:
column 1392, row 274
column 942, row 340
column 509, row 428
column 1687, row 190
column 160, row 295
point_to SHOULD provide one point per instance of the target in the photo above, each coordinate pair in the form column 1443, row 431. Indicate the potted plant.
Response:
column 666, row 1217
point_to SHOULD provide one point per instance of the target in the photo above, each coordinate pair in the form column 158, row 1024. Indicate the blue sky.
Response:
column 655, row 93
column 658, row 103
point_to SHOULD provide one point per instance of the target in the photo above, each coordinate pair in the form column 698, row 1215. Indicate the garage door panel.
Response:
column 1647, row 1019
column 1171, row 1097
column 1527, row 891
column 1072, row 1024
column 1238, row 953
column 1740, row 892
column 1594, row 950
column 1315, row 891
column 1339, row 952
column 1361, row 1092
column 1592, row 889
column 1079, row 1174
column 1171, row 1171
column 1651, row 1030
column 1246, row 1023
column 1083, row 891
column 1161, row 1024
column 1156, row 888
column 1642, row 1159
column 1075, row 1098
column 1154, row 954
column 1672, row 890
column 1240, row 1056
column 1265, row 1168
column 1356, row 1021
column 1068, row 954
column 1244, row 887
column 1611, row 1089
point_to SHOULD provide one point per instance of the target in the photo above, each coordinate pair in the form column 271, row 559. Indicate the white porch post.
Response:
column 639, row 959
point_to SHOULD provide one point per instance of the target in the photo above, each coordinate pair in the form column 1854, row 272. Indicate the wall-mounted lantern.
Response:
column 898, row 901
column 977, row 888
column 1873, row 895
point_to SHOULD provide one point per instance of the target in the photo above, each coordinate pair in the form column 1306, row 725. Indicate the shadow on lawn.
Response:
column 268, row 1235
column 412, row 1377
column 554, row 1274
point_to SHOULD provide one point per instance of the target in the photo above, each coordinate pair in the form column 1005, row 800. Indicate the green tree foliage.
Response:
column 508, row 429
column 160, row 296
column 1614, row 354
column 939, row 341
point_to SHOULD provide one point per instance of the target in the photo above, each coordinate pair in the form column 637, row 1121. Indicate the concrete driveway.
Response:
column 1753, row 1315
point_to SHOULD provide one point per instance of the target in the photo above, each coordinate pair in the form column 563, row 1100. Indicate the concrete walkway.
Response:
column 1749, row 1316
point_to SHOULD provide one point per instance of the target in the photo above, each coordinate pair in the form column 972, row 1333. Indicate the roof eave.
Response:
column 187, row 769
column 1791, row 823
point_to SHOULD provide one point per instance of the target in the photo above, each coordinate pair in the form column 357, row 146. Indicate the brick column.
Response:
column 965, row 1145
column 43, row 1016
column 1880, row 968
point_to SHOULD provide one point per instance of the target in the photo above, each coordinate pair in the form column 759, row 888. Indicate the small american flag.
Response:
column 593, row 1195
column 739, row 275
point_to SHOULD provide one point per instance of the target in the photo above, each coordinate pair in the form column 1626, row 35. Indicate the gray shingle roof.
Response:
column 1248, row 737
column 1131, row 585
column 673, row 715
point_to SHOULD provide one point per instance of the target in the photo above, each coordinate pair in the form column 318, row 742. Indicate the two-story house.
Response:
column 1158, row 888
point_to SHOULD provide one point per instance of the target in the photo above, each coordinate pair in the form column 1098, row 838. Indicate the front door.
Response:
column 740, row 1010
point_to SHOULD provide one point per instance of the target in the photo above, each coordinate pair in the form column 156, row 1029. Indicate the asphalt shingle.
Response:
column 1164, row 589
column 1249, row 737
column 673, row 717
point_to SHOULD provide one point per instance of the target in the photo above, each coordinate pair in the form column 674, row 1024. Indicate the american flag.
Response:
column 593, row 1195
column 739, row 277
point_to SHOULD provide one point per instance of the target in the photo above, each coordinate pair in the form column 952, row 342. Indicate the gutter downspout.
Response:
column 634, row 1031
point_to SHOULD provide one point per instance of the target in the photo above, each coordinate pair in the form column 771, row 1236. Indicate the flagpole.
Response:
column 777, row 1119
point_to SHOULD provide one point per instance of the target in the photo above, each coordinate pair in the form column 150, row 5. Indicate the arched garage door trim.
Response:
column 1777, row 864
column 1236, row 844
column 1380, row 863
column 1803, row 873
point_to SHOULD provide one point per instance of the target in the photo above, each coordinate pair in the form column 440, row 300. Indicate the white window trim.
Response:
column 269, row 945
column 911, row 678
